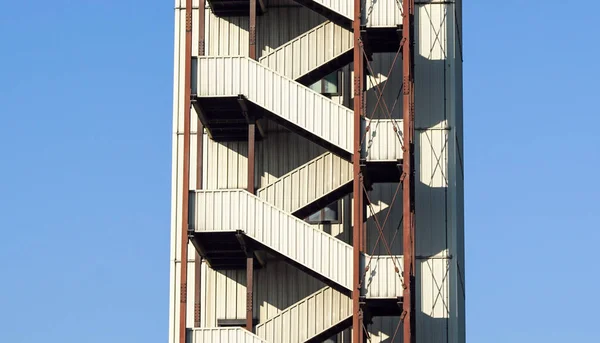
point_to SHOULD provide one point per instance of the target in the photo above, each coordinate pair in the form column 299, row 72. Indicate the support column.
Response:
column 357, row 234
column 185, row 191
column 408, row 173
column 251, row 152
column 252, row 30
column 199, row 167
column 251, row 160
column 249, row 292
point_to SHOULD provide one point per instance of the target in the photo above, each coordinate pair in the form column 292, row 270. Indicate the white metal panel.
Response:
column 382, row 13
column 386, row 77
column 310, row 50
column 307, row 318
column 318, row 115
column 232, row 210
column 308, row 182
column 382, row 280
column 383, row 140
column 224, row 335
column 229, row 35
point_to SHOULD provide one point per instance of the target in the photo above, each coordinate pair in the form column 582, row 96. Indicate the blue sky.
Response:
column 85, row 141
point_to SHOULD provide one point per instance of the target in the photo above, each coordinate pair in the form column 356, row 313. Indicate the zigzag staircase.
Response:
column 332, row 46
column 235, row 90
column 312, row 319
column 311, row 186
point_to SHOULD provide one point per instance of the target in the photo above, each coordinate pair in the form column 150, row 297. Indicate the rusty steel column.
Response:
column 185, row 189
column 249, row 293
column 357, row 236
column 199, row 166
column 408, row 174
column 251, row 188
column 252, row 30
column 251, row 153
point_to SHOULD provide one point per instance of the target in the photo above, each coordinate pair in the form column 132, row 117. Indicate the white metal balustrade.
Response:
column 224, row 335
column 292, row 102
column 298, row 241
column 308, row 318
column 301, row 243
column 312, row 50
column 308, row 183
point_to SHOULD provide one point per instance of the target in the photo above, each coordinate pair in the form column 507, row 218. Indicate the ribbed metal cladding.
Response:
column 378, row 13
column 233, row 210
column 308, row 182
column 382, row 281
column 309, row 51
column 224, row 335
column 307, row 318
column 291, row 101
column 383, row 142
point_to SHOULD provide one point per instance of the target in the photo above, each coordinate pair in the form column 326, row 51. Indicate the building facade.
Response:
column 304, row 132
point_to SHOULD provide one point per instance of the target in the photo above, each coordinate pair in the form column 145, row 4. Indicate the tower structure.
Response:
column 317, row 190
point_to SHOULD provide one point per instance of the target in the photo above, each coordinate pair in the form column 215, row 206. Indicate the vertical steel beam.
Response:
column 357, row 236
column 249, row 293
column 185, row 191
column 251, row 153
column 408, row 182
column 251, row 188
column 199, row 167
column 252, row 30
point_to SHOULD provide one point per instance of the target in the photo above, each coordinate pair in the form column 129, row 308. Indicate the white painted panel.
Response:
column 384, row 276
column 383, row 140
column 382, row 13
column 310, row 50
column 299, row 187
column 226, row 211
column 307, row 318
column 264, row 87
column 224, row 335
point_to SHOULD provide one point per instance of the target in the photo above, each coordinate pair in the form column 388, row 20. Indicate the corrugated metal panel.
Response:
column 278, row 285
column 224, row 335
column 225, row 163
column 271, row 34
column 307, row 183
column 226, row 36
column 383, row 140
column 380, row 13
column 381, row 197
column 310, row 50
column 232, row 210
column 307, row 318
column 382, row 280
column 387, row 330
column 291, row 101
column 391, row 87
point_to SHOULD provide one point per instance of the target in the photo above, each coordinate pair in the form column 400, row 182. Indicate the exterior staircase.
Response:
column 312, row 319
column 224, row 335
column 311, row 186
column 312, row 55
column 231, row 91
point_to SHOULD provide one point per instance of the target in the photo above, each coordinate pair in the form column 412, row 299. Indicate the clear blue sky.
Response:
column 85, row 141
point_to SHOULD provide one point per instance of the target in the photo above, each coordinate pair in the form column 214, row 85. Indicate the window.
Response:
column 328, row 214
column 328, row 85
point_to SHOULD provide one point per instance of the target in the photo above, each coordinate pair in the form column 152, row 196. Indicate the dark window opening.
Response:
column 329, row 85
column 328, row 214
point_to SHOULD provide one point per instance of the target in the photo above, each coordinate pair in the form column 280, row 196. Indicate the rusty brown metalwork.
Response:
column 408, row 183
column 252, row 30
column 357, row 234
column 251, row 153
column 186, row 172
column 249, row 292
